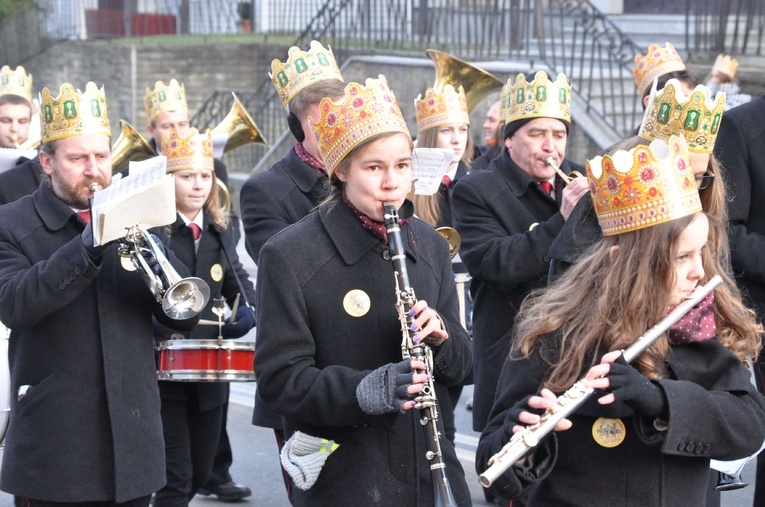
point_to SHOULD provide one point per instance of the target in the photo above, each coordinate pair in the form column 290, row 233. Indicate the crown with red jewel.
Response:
column 16, row 82
column 165, row 97
column 697, row 116
column 724, row 64
column 657, row 62
column 190, row 151
column 645, row 186
column 441, row 106
column 540, row 98
column 303, row 68
column 73, row 113
column 363, row 112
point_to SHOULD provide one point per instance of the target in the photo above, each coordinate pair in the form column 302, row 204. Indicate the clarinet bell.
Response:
column 726, row 482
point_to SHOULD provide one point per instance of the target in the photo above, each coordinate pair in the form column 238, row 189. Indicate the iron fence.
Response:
column 731, row 27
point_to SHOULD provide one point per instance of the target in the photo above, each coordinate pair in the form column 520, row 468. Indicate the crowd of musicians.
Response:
column 362, row 339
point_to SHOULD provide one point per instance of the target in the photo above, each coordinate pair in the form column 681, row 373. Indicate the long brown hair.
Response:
column 605, row 302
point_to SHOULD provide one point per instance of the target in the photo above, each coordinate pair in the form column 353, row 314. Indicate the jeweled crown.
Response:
column 697, row 117
column 73, row 113
column 165, row 97
column 645, row 186
column 364, row 111
column 16, row 82
column 541, row 98
column 724, row 64
column 657, row 62
column 191, row 151
column 441, row 106
column 303, row 68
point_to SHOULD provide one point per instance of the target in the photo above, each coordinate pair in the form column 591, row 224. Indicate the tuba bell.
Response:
column 239, row 128
column 476, row 82
column 453, row 238
column 130, row 145
column 181, row 298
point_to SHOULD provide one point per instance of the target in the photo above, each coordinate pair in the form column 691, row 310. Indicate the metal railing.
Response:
column 731, row 27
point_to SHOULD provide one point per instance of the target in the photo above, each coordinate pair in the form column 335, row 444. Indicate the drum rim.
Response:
column 207, row 375
column 205, row 345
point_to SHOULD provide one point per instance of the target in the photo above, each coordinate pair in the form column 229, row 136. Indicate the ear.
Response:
column 645, row 101
column 342, row 174
column 612, row 252
column 509, row 142
column 46, row 162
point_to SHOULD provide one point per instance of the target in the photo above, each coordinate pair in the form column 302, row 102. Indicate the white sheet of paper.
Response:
column 9, row 157
column 429, row 165
column 145, row 198
column 736, row 466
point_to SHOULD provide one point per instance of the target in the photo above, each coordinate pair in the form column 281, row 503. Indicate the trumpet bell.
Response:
column 476, row 82
column 453, row 238
column 239, row 127
column 186, row 298
column 130, row 145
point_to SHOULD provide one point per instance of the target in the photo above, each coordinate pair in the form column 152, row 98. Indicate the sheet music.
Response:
column 146, row 198
column 429, row 165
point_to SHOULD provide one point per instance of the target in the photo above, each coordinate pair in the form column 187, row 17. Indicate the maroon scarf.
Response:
column 696, row 325
column 373, row 226
column 308, row 158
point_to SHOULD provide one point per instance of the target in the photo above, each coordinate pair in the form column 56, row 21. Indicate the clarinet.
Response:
column 426, row 399
column 523, row 442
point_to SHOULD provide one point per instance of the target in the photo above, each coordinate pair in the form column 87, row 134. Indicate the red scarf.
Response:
column 373, row 226
column 306, row 157
column 696, row 325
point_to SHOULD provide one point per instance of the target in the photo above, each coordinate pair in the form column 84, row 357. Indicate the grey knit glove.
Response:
column 303, row 457
column 384, row 390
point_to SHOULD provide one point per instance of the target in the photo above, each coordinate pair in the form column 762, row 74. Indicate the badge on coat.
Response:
column 216, row 272
column 609, row 432
column 357, row 303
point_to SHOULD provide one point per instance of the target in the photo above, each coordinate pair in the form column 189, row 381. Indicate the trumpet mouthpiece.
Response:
column 550, row 161
column 95, row 187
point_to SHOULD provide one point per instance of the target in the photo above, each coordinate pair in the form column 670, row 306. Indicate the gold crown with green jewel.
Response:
column 73, row 113
column 540, row 98
column 16, row 82
column 303, row 68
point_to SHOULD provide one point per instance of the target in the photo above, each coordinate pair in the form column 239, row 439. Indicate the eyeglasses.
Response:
column 703, row 180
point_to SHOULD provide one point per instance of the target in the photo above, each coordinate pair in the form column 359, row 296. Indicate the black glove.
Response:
column 94, row 252
column 636, row 391
column 384, row 390
column 243, row 323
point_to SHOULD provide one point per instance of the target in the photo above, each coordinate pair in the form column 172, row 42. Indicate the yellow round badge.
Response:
column 357, row 303
column 609, row 432
column 216, row 272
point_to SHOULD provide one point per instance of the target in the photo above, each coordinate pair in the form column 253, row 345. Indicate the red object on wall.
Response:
column 152, row 24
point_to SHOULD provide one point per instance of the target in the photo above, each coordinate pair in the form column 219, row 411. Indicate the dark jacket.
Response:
column 271, row 201
column 312, row 353
column 201, row 264
column 740, row 148
column 714, row 413
column 507, row 223
column 20, row 181
column 281, row 196
column 89, row 427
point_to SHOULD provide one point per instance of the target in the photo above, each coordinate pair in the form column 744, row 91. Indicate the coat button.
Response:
column 681, row 446
column 690, row 447
column 61, row 286
column 386, row 255
column 77, row 270
column 707, row 449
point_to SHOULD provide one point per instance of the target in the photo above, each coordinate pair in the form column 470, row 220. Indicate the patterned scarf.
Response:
column 373, row 226
column 696, row 325
column 308, row 158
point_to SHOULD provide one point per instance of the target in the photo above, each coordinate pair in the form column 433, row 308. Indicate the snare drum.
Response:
column 206, row 360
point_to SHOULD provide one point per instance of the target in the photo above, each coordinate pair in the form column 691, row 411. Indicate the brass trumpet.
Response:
column 565, row 177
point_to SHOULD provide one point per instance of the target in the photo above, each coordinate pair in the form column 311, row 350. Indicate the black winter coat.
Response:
column 89, row 427
column 20, row 181
column 312, row 353
column 507, row 223
column 714, row 413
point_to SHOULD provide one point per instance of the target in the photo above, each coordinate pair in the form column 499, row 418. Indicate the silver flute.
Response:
column 523, row 442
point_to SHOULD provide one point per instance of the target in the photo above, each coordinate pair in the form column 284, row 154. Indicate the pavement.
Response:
column 256, row 461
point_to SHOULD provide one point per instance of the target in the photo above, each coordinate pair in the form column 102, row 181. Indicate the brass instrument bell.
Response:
column 476, row 82
column 130, row 145
column 453, row 238
column 239, row 126
column 224, row 196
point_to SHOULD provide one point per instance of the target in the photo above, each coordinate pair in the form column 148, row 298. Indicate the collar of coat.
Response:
column 53, row 212
column 517, row 179
column 304, row 176
column 352, row 241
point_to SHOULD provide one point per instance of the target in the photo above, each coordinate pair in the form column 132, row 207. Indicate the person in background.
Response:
column 649, row 431
column 193, row 412
column 723, row 78
column 661, row 64
column 296, row 184
column 85, row 420
column 328, row 326
column 493, row 146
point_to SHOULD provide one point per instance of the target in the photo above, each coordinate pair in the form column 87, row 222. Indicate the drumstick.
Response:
column 206, row 322
column 235, row 308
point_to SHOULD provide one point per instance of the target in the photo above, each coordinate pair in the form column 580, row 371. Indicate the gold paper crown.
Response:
column 541, row 98
column 363, row 112
column 669, row 112
column 191, row 151
column 303, row 68
column 645, row 186
column 724, row 64
column 16, row 82
column 165, row 98
column 74, row 113
column 441, row 107
column 657, row 62
column 504, row 101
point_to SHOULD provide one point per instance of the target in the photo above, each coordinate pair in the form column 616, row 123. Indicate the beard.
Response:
column 75, row 195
